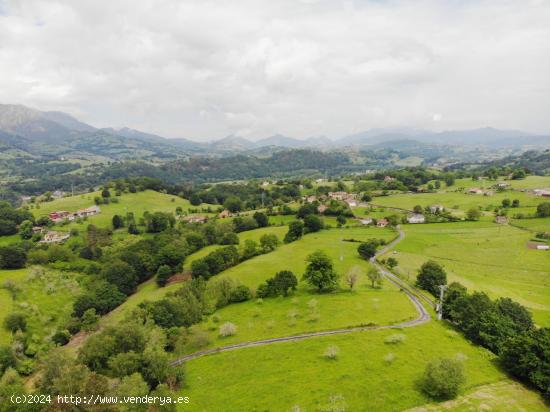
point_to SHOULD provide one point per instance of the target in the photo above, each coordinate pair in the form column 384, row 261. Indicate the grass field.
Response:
column 44, row 296
column 460, row 202
column 292, row 256
column 305, row 312
column 137, row 203
column 368, row 375
column 482, row 256
column 535, row 225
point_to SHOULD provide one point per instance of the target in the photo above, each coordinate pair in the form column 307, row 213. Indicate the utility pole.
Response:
column 439, row 307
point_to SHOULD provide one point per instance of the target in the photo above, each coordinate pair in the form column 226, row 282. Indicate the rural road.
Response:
column 423, row 315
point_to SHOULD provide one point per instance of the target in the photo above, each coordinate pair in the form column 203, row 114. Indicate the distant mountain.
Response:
column 232, row 143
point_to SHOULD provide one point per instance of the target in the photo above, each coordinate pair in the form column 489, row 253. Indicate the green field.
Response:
column 137, row 203
column 535, row 225
column 482, row 256
column 292, row 256
column 296, row 376
column 460, row 202
column 44, row 296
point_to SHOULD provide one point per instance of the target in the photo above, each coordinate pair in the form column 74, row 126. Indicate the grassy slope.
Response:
column 292, row 256
column 482, row 256
column 281, row 376
column 460, row 201
column 138, row 203
column 46, row 299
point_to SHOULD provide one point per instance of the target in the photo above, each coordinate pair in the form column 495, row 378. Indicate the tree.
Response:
column 285, row 281
column 240, row 294
column 268, row 242
column 506, row 203
column 230, row 238
column 25, row 229
column 374, row 276
column 443, row 378
column 312, row 223
column 543, row 209
column 320, row 272
column 105, row 193
column 473, row 214
column 164, row 272
column 89, row 320
column 392, row 262
column 515, row 203
column 117, row 221
column 15, row 321
column 122, row 275
column 430, row 276
column 250, row 249
column 341, row 220
column 12, row 257
column 418, row 209
column 352, row 277
column 367, row 250
column 233, row 204
column 295, row 231
column 261, row 219
column 195, row 199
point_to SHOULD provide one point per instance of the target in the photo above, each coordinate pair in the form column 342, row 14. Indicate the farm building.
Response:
column 542, row 192
column 501, row 220
column 437, row 208
column 416, row 218
column 321, row 209
column 196, row 219
column 366, row 221
column 382, row 223
column 224, row 214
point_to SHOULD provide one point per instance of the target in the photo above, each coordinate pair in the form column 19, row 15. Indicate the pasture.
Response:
column 482, row 256
column 368, row 374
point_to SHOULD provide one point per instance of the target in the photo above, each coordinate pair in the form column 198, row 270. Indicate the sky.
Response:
column 206, row 69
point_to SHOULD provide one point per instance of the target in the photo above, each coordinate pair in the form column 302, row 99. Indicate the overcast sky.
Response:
column 205, row 69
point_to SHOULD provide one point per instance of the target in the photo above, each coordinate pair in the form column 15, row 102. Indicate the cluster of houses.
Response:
column 349, row 198
column 61, row 215
column 54, row 237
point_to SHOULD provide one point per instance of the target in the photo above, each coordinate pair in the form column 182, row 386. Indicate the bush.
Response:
column 61, row 337
column 228, row 329
column 442, row 378
column 332, row 352
column 14, row 322
column 395, row 338
column 240, row 294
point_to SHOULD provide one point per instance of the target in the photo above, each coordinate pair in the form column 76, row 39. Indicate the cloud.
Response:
column 204, row 69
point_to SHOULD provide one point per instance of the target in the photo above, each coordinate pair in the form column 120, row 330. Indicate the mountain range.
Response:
column 40, row 133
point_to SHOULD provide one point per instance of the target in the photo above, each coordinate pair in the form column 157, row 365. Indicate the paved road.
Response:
column 423, row 315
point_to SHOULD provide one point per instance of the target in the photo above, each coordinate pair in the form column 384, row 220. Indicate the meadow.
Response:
column 45, row 296
column 368, row 374
column 138, row 203
column 482, row 256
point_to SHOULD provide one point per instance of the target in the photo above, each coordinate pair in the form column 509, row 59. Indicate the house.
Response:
column 542, row 192
column 382, row 222
column 311, row 199
column 366, row 221
column 475, row 191
column 436, row 209
column 89, row 211
column 351, row 202
column 58, row 194
column 321, row 209
column 265, row 184
column 543, row 247
column 225, row 213
column 389, row 179
column 502, row 185
column 60, row 215
column 502, row 220
column 416, row 218
column 55, row 237
column 37, row 229
column 196, row 219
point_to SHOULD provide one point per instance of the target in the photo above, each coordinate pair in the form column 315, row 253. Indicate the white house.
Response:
column 543, row 247
column 416, row 218
column 437, row 208
column 366, row 221
column 55, row 237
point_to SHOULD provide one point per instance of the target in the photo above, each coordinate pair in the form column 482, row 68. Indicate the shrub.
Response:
column 332, row 352
column 442, row 378
column 15, row 321
column 240, row 294
column 61, row 337
column 228, row 329
column 395, row 338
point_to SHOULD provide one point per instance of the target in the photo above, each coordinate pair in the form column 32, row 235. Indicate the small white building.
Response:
column 416, row 218
column 366, row 221
column 543, row 247
column 437, row 209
